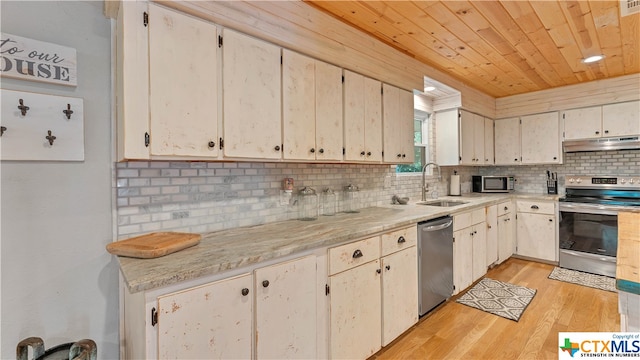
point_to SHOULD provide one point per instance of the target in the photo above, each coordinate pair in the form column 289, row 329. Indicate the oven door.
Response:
column 588, row 238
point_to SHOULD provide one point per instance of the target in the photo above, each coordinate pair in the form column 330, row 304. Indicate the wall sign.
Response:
column 28, row 59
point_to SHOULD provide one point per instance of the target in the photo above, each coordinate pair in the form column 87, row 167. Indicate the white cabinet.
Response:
column 489, row 151
column 362, row 118
column 536, row 229
column 540, row 139
column 312, row 108
column 183, row 84
column 492, row 234
column 602, row 121
column 286, row 310
column 397, row 120
column 621, row 119
column 506, row 231
column 251, row 86
column 507, row 141
column 471, row 139
column 447, row 137
column 469, row 248
column 207, row 322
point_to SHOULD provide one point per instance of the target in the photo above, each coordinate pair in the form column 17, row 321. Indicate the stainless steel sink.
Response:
column 443, row 203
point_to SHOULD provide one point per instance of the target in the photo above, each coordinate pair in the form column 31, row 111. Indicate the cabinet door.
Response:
column 447, row 132
column 372, row 120
column 286, row 310
column 211, row 321
column 536, row 236
column 479, row 244
column 478, row 139
column 406, row 138
column 298, row 106
column 582, row 123
column 399, row 293
column 183, row 86
column 506, row 237
column 355, row 314
column 621, row 119
column 488, row 142
column 467, row 137
column 354, row 116
column 492, row 234
column 251, row 97
column 507, row 141
column 392, row 124
column 329, row 123
column 540, row 139
column 462, row 259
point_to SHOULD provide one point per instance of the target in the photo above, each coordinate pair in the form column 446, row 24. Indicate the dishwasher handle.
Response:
column 437, row 227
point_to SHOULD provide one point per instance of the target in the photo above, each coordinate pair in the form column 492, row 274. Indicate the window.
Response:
column 421, row 141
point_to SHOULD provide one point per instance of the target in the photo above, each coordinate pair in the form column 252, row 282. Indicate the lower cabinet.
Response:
column 469, row 248
column 373, row 290
column 536, row 230
column 208, row 321
column 492, row 234
column 506, row 231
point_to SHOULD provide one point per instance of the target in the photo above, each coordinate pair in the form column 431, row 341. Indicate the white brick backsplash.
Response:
column 207, row 196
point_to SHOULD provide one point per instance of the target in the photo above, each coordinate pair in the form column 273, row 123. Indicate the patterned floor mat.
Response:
column 584, row 279
column 498, row 298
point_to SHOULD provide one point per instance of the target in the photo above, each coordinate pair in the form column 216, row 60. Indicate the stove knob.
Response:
column 578, row 180
column 631, row 181
column 623, row 181
column 571, row 180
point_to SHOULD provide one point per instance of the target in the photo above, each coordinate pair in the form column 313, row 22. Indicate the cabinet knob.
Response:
column 312, row 150
column 245, row 292
column 506, row 208
column 606, row 131
column 357, row 254
column 401, row 239
column 388, row 267
column 378, row 271
column 321, row 151
column 2, row 130
column 277, row 148
column 404, row 156
column 265, row 283
column 399, row 155
column 555, row 158
column 211, row 144
column 23, row 108
column 471, row 233
column 535, row 207
column 50, row 137
column 488, row 226
column 362, row 153
column 597, row 132
column 516, row 159
column 369, row 153
column 550, row 220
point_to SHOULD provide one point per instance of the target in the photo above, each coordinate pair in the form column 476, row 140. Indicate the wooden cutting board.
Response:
column 153, row 245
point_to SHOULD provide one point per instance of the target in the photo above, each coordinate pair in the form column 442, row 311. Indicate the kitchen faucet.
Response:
column 424, row 185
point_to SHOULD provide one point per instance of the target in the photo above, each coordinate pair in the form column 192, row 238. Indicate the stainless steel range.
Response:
column 588, row 233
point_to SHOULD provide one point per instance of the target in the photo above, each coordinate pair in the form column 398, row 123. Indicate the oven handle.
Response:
column 589, row 255
column 587, row 209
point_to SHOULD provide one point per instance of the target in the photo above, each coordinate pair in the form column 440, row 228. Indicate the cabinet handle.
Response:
column 555, row 158
column 378, row 271
column 2, row 130
column 321, row 151
column 550, row 220
column 357, row 254
column 277, row 148
column 535, row 207
column 312, row 150
column 50, row 137
column 506, row 208
column 474, row 232
column 399, row 155
column 471, row 233
column 401, row 239
column 516, row 159
column 597, row 132
column 488, row 226
column 211, row 144
column 245, row 292
column 404, row 156
column 362, row 153
column 265, row 283
column 369, row 153
column 388, row 267
column 606, row 131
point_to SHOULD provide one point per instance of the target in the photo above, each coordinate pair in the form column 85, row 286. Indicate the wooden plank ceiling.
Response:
column 504, row 47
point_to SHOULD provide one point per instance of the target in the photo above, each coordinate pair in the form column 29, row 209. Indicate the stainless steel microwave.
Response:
column 493, row 183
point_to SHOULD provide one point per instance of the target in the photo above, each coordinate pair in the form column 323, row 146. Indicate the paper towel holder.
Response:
column 454, row 184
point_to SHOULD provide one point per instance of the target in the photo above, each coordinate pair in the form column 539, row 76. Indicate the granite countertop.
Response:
column 241, row 247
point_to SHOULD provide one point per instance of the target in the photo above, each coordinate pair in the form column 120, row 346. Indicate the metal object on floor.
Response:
column 85, row 349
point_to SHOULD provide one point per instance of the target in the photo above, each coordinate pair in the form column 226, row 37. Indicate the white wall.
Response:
column 58, row 282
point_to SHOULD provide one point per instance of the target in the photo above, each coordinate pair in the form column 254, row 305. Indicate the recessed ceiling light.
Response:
column 591, row 59
column 429, row 88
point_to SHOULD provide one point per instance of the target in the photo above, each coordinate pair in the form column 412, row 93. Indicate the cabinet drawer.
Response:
column 478, row 216
column 398, row 240
column 350, row 255
column 466, row 219
column 504, row 208
column 537, row 207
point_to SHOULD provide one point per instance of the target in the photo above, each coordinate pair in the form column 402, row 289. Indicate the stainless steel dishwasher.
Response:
column 435, row 262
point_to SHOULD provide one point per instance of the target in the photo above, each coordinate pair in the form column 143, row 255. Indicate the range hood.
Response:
column 603, row 144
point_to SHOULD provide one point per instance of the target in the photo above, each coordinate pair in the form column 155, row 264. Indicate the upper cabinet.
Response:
column 312, row 108
column 540, row 139
column 602, row 121
column 362, row 118
column 397, row 119
column 507, row 141
column 183, row 84
column 463, row 138
column 471, row 139
column 251, row 79
column 489, row 151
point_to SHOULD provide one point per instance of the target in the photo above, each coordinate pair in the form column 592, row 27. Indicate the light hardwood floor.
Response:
column 456, row 331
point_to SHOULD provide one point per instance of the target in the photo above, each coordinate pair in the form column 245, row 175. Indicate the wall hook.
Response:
column 50, row 137
column 68, row 111
column 2, row 130
column 23, row 108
